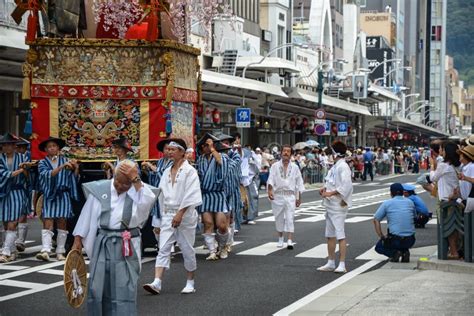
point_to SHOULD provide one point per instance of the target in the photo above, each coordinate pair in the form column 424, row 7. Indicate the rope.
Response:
column 76, row 281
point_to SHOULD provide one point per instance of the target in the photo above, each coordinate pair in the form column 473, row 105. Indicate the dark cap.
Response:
column 9, row 138
column 396, row 187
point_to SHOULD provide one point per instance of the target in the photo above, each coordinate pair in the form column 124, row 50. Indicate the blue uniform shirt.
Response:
column 420, row 206
column 400, row 213
column 368, row 156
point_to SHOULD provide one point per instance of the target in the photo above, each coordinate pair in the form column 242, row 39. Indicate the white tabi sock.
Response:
column 331, row 263
column 157, row 283
column 22, row 232
column 46, row 240
column 210, row 242
column 9, row 244
column 280, row 239
column 342, row 265
column 190, row 284
column 61, row 241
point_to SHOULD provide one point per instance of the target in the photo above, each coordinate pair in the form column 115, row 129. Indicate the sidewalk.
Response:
column 420, row 287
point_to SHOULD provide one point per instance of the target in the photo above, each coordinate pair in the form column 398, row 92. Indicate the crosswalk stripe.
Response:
column 52, row 271
column 261, row 250
column 312, row 219
column 357, row 219
column 320, row 251
column 371, row 254
column 266, row 219
column 11, row 267
column 201, row 251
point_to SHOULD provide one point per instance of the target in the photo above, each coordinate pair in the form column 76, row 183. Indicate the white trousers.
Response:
column 184, row 235
column 283, row 207
column 335, row 221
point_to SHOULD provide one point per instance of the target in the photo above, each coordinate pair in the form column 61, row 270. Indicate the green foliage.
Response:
column 460, row 39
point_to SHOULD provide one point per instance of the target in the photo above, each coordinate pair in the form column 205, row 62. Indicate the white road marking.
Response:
column 358, row 219
column 325, row 289
column 201, row 251
column 22, row 284
column 320, row 251
column 266, row 219
column 31, row 291
column 371, row 255
column 31, row 270
column 262, row 250
column 52, row 271
column 313, row 219
column 12, row 267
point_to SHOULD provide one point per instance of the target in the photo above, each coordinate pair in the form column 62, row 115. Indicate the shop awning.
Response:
column 384, row 92
column 417, row 126
column 271, row 64
column 210, row 77
column 331, row 102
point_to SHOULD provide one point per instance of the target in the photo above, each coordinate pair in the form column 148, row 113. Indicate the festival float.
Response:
column 121, row 72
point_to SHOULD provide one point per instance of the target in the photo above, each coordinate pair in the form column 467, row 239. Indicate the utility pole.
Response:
column 320, row 88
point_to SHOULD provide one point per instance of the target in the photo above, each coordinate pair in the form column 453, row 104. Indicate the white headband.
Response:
column 174, row 144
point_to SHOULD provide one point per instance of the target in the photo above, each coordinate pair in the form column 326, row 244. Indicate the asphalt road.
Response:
column 249, row 282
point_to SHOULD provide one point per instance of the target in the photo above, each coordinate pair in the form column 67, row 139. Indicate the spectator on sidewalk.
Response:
column 423, row 214
column 400, row 237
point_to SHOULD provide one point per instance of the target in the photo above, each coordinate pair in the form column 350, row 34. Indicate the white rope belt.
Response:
column 77, row 284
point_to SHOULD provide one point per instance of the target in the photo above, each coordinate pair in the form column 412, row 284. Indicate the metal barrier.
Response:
column 452, row 218
column 312, row 174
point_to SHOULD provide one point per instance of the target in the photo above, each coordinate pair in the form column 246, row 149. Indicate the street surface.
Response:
column 256, row 279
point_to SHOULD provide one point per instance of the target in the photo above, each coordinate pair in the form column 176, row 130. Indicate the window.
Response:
column 281, row 38
column 436, row 33
column 281, row 17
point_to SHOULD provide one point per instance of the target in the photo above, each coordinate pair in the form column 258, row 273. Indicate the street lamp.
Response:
column 408, row 68
column 404, row 97
column 273, row 50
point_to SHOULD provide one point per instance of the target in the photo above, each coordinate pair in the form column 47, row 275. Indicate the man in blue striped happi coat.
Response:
column 13, row 194
column 232, row 188
column 22, row 147
column 212, row 168
column 58, row 177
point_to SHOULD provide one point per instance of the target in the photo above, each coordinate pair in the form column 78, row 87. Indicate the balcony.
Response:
column 6, row 8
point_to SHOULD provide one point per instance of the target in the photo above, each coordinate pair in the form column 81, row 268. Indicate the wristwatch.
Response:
column 136, row 179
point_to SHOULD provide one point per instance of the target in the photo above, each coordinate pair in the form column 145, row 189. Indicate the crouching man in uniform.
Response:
column 109, row 228
column 400, row 237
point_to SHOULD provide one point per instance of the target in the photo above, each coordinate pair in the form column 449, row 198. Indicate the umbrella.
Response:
column 312, row 143
column 300, row 145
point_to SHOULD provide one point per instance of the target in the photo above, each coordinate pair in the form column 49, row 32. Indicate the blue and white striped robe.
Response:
column 58, row 190
column 212, row 177
column 13, row 190
column 232, row 183
column 154, row 178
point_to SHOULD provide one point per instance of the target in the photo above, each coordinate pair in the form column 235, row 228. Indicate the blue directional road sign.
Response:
column 328, row 128
column 342, row 129
column 242, row 117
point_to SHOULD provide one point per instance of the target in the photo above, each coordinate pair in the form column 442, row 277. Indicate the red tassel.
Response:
column 32, row 27
column 152, row 31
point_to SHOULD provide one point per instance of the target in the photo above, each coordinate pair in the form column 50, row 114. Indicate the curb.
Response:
column 446, row 266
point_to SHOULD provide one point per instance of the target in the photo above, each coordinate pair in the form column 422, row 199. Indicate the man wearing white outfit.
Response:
column 284, row 187
column 180, row 194
column 337, row 198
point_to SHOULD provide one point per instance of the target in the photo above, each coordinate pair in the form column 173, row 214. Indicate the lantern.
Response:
column 394, row 135
column 406, row 137
column 305, row 122
column 200, row 110
column 400, row 136
column 208, row 115
column 216, row 116
column 386, row 133
column 292, row 123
